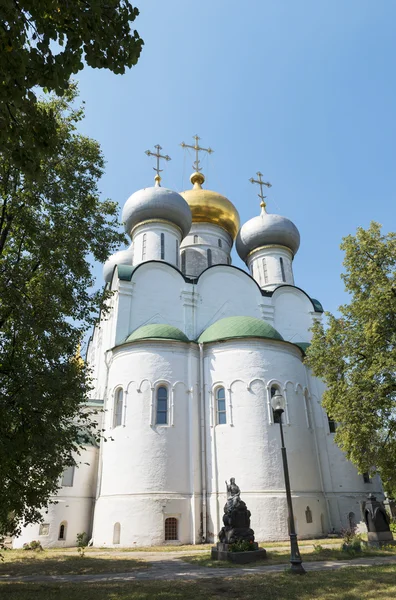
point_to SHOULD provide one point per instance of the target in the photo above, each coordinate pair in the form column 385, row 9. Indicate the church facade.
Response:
column 185, row 363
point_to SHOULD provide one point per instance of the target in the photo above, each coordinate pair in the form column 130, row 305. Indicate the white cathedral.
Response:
column 185, row 363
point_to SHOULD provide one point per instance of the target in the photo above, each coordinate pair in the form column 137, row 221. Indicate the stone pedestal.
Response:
column 222, row 552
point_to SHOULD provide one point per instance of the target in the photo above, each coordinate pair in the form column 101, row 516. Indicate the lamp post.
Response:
column 278, row 406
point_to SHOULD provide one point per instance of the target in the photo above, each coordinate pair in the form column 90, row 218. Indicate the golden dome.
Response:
column 210, row 207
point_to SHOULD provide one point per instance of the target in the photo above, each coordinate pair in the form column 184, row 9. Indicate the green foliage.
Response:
column 392, row 526
column 42, row 45
column 242, row 546
column 82, row 541
column 355, row 355
column 48, row 229
column 34, row 545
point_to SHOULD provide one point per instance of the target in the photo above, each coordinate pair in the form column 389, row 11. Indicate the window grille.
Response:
column 171, row 533
column 221, row 406
column 162, row 406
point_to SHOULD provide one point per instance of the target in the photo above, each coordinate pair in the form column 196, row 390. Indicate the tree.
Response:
column 355, row 355
column 48, row 228
column 42, row 44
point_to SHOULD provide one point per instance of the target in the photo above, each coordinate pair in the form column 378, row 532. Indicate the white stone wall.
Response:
column 265, row 266
column 146, row 243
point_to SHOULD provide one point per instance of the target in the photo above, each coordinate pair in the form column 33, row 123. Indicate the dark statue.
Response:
column 236, row 528
column 377, row 522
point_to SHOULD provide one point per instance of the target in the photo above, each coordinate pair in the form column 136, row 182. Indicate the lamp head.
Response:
column 278, row 404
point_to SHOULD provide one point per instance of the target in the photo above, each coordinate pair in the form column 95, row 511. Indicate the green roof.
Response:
column 156, row 331
column 317, row 305
column 239, row 327
column 303, row 345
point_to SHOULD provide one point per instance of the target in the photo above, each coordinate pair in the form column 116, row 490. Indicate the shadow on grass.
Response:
column 42, row 564
column 371, row 583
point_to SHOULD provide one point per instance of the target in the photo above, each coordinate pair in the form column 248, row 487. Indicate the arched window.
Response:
column 265, row 270
column 171, row 533
column 221, row 414
column 162, row 406
column 116, row 533
column 144, row 241
column 183, row 262
column 195, row 239
column 62, row 531
column 308, row 515
column 68, row 477
column 162, row 246
column 209, row 255
column 177, row 253
column 282, row 269
column 118, row 405
column 219, row 242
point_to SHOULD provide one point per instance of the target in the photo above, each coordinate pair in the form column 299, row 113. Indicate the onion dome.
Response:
column 210, row 207
column 123, row 257
column 265, row 230
column 156, row 204
column 239, row 327
column 157, row 331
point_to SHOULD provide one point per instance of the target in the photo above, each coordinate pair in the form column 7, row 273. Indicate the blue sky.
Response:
column 303, row 90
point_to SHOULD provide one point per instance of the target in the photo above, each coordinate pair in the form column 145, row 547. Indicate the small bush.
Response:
column 392, row 525
column 242, row 546
column 318, row 549
column 82, row 541
column 34, row 545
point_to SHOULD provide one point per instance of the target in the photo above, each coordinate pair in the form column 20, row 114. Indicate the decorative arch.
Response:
column 139, row 387
column 249, row 385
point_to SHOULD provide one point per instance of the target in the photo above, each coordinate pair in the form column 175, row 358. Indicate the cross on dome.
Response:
column 197, row 149
column 260, row 182
column 158, row 157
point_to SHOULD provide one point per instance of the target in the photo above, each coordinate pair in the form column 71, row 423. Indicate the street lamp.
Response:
column 278, row 406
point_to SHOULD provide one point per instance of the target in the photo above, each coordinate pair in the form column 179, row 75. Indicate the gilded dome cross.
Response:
column 260, row 182
column 197, row 149
column 158, row 157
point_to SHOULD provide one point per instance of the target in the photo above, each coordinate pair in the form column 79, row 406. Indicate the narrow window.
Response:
column 221, row 406
column 183, row 262
column 195, row 239
column 162, row 246
column 68, row 477
column 265, row 269
column 366, row 478
column 162, row 406
column 62, row 531
column 228, row 260
column 332, row 424
column 171, row 529
column 144, row 246
column 116, row 533
column 118, row 405
column 209, row 254
column 275, row 390
column 282, row 269
column 44, row 529
column 308, row 515
column 220, row 244
column 177, row 253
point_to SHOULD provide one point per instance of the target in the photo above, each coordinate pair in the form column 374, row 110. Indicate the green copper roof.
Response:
column 317, row 305
column 302, row 345
column 125, row 272
column 155, row 331
column 239, row 327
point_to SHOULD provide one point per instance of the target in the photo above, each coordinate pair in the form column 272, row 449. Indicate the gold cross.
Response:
column 261, row 183
column 158, row 156
column 197, row 149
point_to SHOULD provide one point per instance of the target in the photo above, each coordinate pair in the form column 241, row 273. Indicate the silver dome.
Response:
column 264, row 230
column 123, row 257
column 156, row 203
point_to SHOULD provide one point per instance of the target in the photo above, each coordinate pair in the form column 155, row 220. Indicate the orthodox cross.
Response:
column 261, row 183
column 158, row 157
column 197, row 149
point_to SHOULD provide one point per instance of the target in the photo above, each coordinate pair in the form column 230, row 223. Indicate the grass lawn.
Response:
column 53, row 562
column 283, row 556
column 369, row 583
